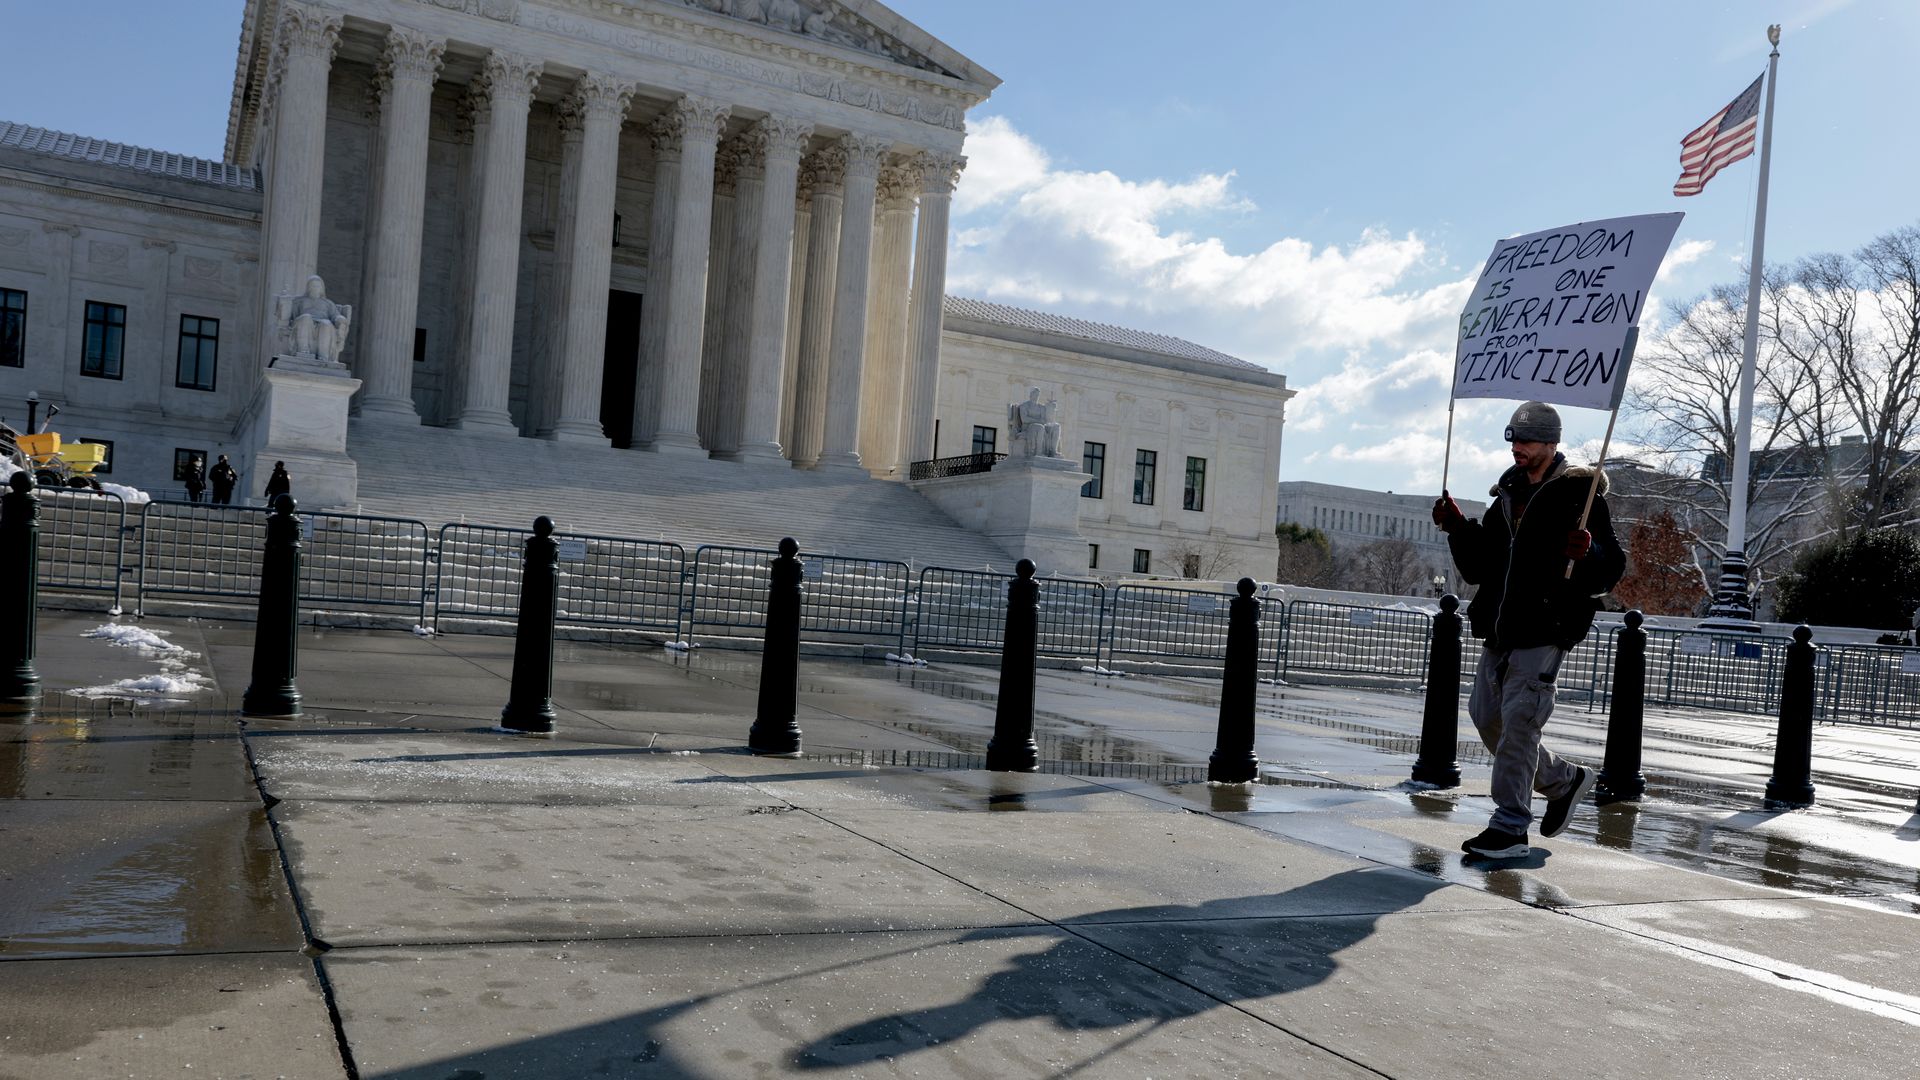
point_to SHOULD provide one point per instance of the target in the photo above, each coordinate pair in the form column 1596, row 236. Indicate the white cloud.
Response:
column 1685, row 253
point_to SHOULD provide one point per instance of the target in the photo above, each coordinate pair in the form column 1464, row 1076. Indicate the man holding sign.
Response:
column 1553, row 318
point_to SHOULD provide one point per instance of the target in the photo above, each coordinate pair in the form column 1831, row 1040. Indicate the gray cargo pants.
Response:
column 1512, row 698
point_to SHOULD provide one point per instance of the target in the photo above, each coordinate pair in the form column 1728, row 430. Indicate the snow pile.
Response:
column 903, row 658
column 131, row 495
column 148, row 687
column 681, row 646
column 1095, row 670
column 128, row 636
column 423, row 631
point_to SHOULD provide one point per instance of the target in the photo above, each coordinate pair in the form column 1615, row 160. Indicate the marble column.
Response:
column 601, row 102
column 408, row 68
column 796, row 303
column 510, row 82
column 887, row 321
column 470, row 124
column 664, row 136
column 822, row 174
column 304, row 45
column 847, row 347
column 547, row 364
column 701, row 121
column 726, row 177
column 776, row 142
column 736, row 315
column 938, row 174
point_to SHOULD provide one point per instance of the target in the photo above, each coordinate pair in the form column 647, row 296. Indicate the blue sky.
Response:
column 1303, row 185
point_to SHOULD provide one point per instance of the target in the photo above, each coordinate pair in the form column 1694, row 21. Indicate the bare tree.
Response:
column 1201, row 558
column 1849, row 326
column 1391, row 566
column 1306, row 558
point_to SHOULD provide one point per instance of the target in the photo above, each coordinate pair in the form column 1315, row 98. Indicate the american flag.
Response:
column 1725, row 138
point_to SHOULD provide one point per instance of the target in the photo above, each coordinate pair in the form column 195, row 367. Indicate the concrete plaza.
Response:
column 388, row 888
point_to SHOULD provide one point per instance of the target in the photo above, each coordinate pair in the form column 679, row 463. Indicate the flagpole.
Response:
column 1733, row 607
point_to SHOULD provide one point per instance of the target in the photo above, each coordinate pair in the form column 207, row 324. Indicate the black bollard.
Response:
column 529, row 708
column 1440, row 721
column 776, row 730
column 19, row 589
column 1012, row 748
column 1791, row 784
column 1620, row 777
column 1233, row 760
column 276, row 634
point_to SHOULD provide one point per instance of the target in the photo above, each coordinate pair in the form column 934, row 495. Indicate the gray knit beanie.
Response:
column 1534, row 421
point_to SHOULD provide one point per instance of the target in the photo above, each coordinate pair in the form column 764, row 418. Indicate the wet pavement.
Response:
column 387, row 887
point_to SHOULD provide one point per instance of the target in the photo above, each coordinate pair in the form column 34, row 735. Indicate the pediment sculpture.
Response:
column 312, row 327
column 1033, row 425
column 826, row 20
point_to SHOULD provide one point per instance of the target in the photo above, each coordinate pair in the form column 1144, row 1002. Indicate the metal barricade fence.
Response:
column 966, row 610
column 842, row 600
column 348, row 562
column 83, row 541
column 1870, row 684
column 605, row 581
column 1353, row 640
column 1715, row 669
column 1154, row 624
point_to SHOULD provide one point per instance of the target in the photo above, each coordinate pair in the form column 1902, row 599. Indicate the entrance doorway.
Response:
column 620, row 366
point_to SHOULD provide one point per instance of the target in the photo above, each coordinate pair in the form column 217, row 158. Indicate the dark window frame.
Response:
column 95, row 363
column 991, row 443
column 1142, row 561
column 1146, row 470
column 105, row 468
column 13, row 328
column 419, row 344
column 1094, row 461
column 1194, row 497
column 182, row 457
column 206, row 353
column 1093, row 556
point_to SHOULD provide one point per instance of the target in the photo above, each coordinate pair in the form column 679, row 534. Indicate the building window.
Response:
column 1194, row 497
column 105, row 340
column 1093, row 556
column 419, row 344
column 1142, row 560
column 183, row 457
column 199, row 351
column 1093, row 460
column 13, row 328
column 1145, row 462
column 984, row 439
column 105, row 468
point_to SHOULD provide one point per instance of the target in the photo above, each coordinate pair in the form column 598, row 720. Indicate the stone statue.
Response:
column 784, row 15
column 1034, row 426
column 312, row 327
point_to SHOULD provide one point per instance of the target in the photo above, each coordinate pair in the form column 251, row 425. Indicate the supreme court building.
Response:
column 713, row 228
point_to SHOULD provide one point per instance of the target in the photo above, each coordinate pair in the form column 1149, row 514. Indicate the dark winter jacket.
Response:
column 279, row 483
column 223, row 477
column 196, row 479
column 1518, row 558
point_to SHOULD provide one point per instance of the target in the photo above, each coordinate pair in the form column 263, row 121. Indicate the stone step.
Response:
column 434, row 475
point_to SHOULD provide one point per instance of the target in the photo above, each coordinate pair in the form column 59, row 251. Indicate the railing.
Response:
column 843, row 600
column 605, row 581
column 348, row 562
column 1870, row 684
column 83, row 541
column 1350, row 640
column 963, row 465
column 966, row 611
column 1154, row 626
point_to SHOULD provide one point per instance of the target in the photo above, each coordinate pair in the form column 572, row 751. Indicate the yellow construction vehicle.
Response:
column 53, row 462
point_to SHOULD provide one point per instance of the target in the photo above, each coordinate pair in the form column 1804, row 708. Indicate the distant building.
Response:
column 1352, row 518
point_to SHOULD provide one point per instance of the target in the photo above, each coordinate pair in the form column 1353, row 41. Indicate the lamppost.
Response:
column 1439, row 584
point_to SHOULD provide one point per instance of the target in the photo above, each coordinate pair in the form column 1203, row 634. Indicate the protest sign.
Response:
column 1550, row 313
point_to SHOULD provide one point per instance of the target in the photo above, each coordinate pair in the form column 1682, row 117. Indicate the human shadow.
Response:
column 1101, row 972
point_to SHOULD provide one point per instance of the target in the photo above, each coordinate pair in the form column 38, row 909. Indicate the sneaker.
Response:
column 1554, row 821
column 1498, row 844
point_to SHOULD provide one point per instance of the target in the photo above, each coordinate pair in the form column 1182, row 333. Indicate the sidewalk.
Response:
column 386, row 888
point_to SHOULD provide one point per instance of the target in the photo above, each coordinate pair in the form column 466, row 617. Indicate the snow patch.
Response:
column 903, row 658
column 148, row 687
column 132, row 496
column 681, row 646
column 1093, row 669
column 126, row 635
column 423, row 631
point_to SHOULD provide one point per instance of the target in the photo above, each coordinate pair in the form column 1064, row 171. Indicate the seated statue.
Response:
column 312, row 327
column 1033, row 425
